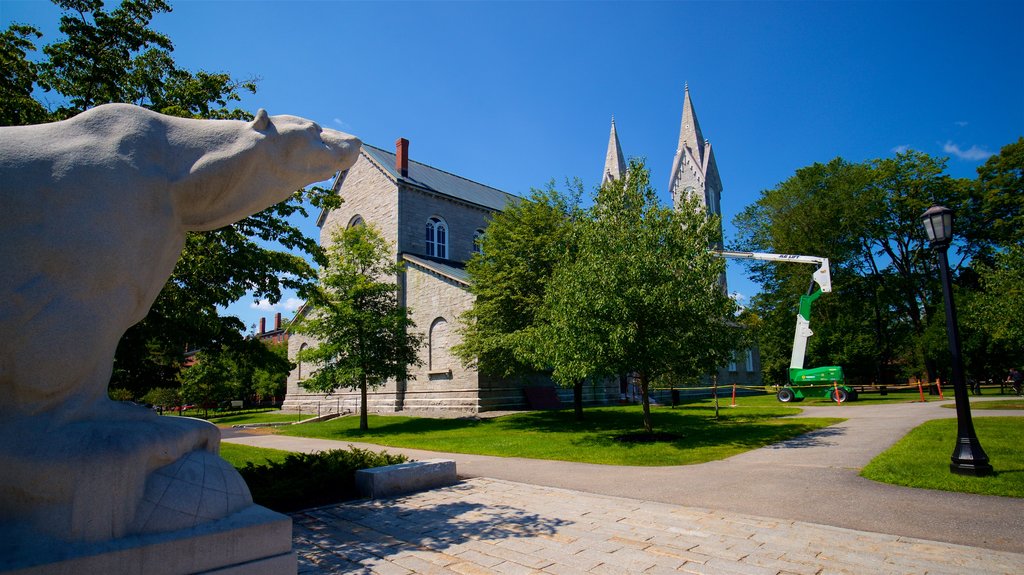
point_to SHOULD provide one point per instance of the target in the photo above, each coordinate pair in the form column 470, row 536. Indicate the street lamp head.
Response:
column 938, row 224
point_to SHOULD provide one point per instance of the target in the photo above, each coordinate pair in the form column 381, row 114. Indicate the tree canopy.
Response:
column 625, row 286
column 115, row 56
column 884, row 321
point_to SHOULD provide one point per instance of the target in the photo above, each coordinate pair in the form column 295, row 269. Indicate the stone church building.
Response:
column 432, row 218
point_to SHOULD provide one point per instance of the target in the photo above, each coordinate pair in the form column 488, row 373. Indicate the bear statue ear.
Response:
column 260, row 122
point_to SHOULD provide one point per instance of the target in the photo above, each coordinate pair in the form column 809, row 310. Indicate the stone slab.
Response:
column 254, row 541
column 405, row 477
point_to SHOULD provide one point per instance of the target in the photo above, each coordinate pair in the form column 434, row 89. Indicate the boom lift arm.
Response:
column 823, row 278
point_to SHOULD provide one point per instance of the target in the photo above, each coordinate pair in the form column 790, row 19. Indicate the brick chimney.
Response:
column 277, row 321
column 402, row 156
column 263, row 325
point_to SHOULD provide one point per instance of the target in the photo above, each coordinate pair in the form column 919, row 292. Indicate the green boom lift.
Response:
column 828, row 381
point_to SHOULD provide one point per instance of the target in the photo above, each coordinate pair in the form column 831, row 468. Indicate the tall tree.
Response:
column 208, row 382
column 115, row 56
column 885, row 320
column 364, row 336
column 641, row 294
column 509, row 279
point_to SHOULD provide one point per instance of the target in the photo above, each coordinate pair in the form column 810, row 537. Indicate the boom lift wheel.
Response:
column 838, row 395
column 785, row 395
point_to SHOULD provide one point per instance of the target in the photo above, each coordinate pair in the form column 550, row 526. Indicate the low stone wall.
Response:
column 405, row 477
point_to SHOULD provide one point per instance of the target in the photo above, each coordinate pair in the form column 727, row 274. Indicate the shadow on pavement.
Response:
column 356, row 536
column 817, row 438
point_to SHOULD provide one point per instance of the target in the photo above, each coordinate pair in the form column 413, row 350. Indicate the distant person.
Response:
column 1016, row 379
column 975, row 385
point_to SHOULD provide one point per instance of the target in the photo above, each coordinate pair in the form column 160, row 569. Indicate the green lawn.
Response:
column 264, row 417
column 241, row 417
column 557, row 435
column 921, row 459
column 238, row 455
column 995, row 404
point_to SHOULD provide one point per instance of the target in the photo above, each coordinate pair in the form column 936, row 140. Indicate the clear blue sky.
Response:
column 515, row 94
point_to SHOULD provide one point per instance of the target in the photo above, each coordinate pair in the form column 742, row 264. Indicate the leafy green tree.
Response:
column 163, row 397
column 18, row 76
column 364, row 335
column 996, row 208
column 885, row 320
column 999, row 307
column 641, row 294
column 114, row 56
column 508, row 280
column 208, row 382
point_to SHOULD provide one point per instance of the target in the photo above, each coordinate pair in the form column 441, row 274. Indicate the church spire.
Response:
column 614, row 164
column 688, row 166
column 689, row 130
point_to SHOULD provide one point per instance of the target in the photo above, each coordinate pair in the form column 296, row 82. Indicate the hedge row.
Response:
column 305, row 480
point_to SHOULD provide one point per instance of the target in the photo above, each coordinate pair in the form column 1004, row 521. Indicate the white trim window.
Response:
column 750, row 360
column 437, row 238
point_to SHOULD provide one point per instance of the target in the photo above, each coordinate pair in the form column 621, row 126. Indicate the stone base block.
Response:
column 253, row 541
column 405, row 477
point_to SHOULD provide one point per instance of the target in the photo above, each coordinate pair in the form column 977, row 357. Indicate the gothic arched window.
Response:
column 478, row 237
column 437, row 238
column 302, row 348
column 356, row 220
column 439, row 354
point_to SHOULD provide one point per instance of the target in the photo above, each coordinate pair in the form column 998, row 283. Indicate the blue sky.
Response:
column 515, row 94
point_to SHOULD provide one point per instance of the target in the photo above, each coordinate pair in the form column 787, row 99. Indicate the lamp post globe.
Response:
column 968, row 457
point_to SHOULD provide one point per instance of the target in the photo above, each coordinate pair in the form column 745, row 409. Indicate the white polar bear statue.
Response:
column 94, row 212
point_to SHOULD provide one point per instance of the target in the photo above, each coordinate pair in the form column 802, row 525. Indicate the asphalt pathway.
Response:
column 812, row 478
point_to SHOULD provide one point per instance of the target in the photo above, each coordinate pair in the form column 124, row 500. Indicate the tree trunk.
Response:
column 646, row 401
column 577, row 399
column 714, row 391
column 363, row 422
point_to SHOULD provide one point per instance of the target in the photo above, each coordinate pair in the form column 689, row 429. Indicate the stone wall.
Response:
column 416, row 206
column 368, row 192
column 442, row 383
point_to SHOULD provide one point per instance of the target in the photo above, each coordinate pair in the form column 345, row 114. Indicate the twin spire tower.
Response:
column 694, row 171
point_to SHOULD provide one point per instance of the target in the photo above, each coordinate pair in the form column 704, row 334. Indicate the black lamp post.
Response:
column 968, row 457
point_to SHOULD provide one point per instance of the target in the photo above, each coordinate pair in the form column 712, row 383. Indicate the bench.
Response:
column 405, row 477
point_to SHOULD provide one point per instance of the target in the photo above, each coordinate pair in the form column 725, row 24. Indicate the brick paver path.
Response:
column 495, row 526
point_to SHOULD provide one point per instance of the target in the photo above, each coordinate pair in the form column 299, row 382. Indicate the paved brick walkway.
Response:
column 495, row 526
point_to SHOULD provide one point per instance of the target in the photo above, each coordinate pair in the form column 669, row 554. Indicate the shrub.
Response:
column 305, row 480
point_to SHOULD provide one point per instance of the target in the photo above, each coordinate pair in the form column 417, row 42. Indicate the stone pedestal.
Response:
column 253, row 541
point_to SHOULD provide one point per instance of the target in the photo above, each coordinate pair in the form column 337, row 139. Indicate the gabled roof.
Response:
column 441, row 182
column 447, row 268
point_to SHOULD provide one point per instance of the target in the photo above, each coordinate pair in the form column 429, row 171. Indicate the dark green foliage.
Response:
column 884, row 321
column 18, row 76
column 306, row 480
column 640, row 294
column 509, row 278
column 163, row 397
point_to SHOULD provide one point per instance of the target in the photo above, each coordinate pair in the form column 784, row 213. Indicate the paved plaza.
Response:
column 795, row 507
column 493, row 526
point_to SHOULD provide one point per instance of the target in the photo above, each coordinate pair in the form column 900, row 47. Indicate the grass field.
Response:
column 557, row 435
column 994, row 404
column 921, row 459
column 238, row 455
column 240, row 417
